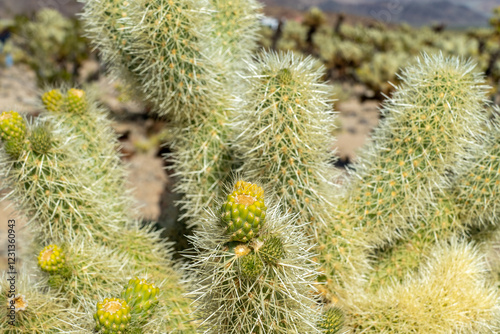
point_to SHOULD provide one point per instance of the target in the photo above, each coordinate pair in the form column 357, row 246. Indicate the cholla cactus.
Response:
column 74, row 198
column 451, row 294
column 32, row 308
column 51, row 258
column 50, row 41
column 495, row 20
column 193, row 82
column 332, row 320
column 141, row 295
column 240, row 292
column 402, row 200
column 430, row 122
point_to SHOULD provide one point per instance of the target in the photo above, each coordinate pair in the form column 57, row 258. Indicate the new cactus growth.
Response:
column 141, row 296
column 332, row 320
column 51, row 258
column 244, row 212
column 271, row 250
column 253, row 271
column 250, row 266
column 112, row 316
column 283, row 133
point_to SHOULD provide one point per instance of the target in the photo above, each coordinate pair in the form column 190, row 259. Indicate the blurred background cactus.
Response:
column 53, row 45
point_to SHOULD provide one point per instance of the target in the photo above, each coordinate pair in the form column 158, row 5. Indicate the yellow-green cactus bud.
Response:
column 244, row 212
column 52, row 100
column 41, row 139
column 76, row 101
column 333, row 320
column 14, row 148
column 112, row 316
column 51, row 258
column 250, row 266
column 272, row 250
column 19, row 301
column 141, row 295
column 12, row 127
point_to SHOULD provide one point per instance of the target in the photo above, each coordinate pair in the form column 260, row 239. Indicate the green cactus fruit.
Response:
column 12, row 127
column 332, row 321
column 112, row 316
column 272, row 250
column 41, row 139
column 51, row 258
column 52, row 100
column 244, row 212
column 141, row 295
column 250, row 266
column 76, row 101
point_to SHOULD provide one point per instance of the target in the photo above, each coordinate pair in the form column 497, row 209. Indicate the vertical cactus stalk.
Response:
column 254, row 268
column 184, row 62
column 398, row 187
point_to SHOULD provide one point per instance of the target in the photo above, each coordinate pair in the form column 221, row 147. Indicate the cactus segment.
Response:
column 250, row 266
column 41, row 139
column 19, row 301
column 51, row 258
column 244, row 212
column 112, row 316
column 333, row 320
column 141, row 295
column 52, row 100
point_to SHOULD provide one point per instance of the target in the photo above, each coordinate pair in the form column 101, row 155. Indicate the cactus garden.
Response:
column 265, row 227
